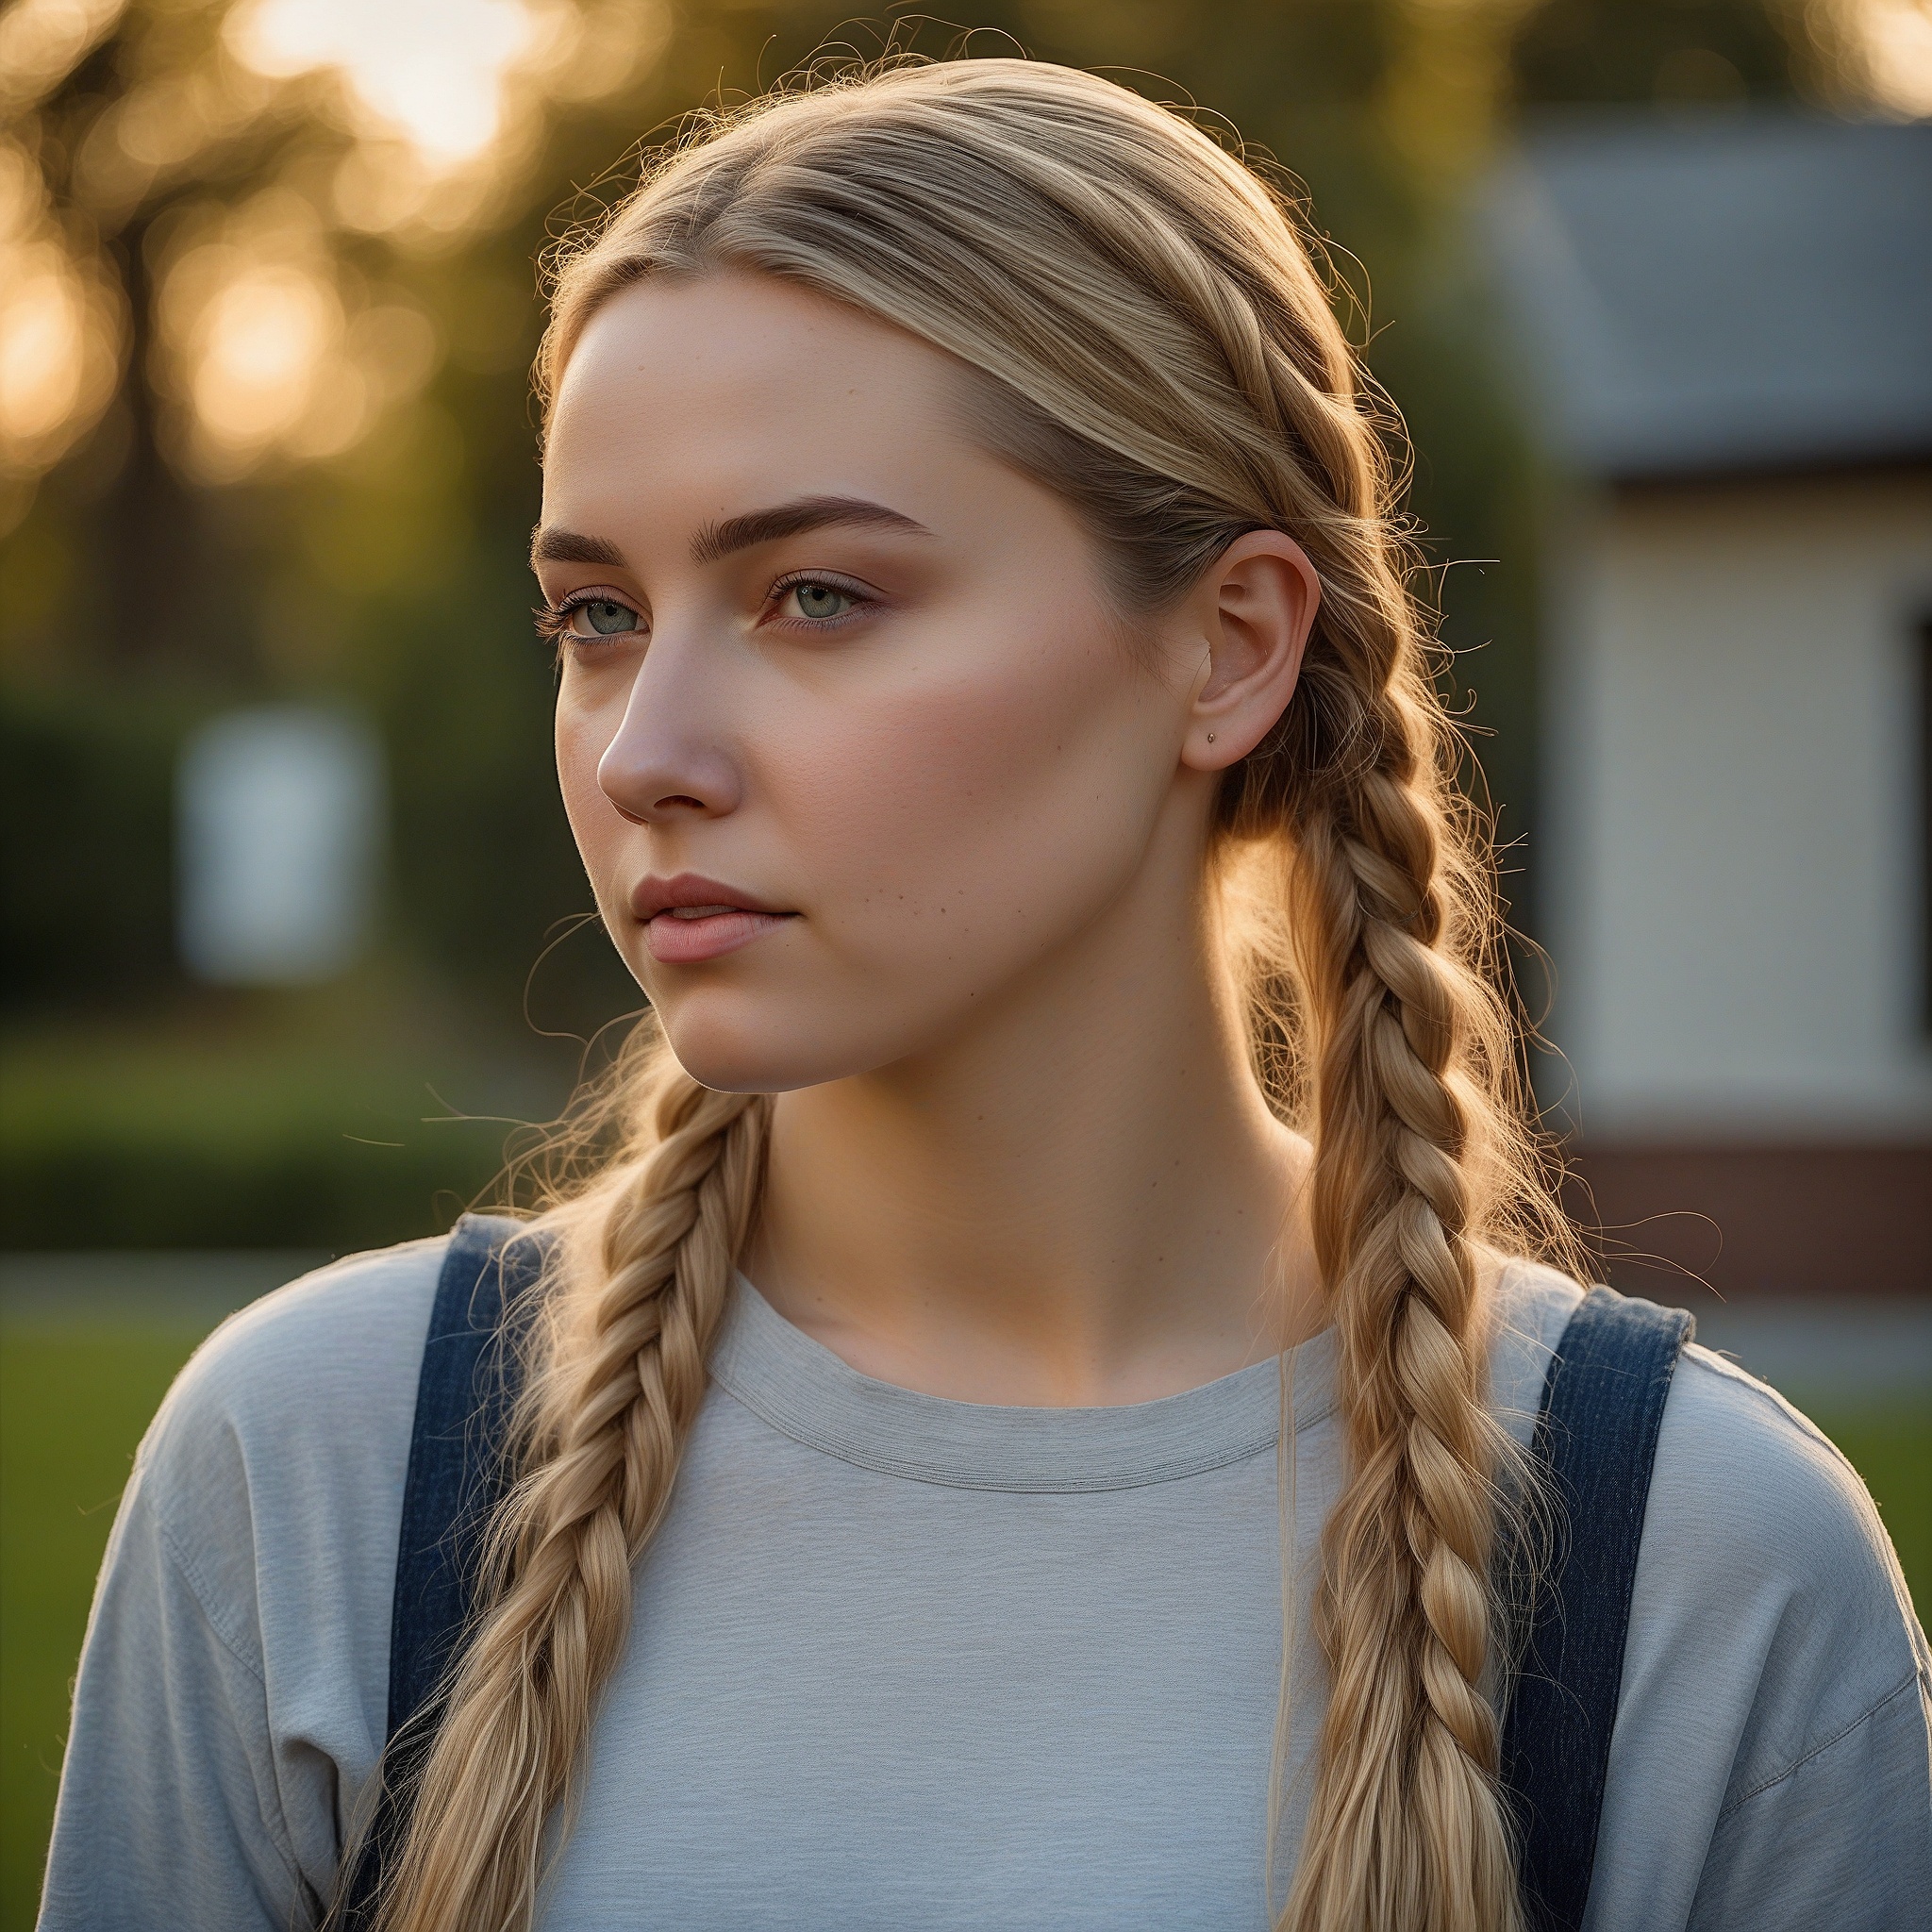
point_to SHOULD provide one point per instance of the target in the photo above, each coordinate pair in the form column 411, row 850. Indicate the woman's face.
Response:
column 850, row 736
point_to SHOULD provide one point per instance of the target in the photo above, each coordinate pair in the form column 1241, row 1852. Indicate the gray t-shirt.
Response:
column 900, row 1661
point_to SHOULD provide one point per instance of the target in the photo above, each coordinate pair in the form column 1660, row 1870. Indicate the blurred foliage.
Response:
column 1706, row 51
column 266, row 309
column 327, row 1129
column 86, row 874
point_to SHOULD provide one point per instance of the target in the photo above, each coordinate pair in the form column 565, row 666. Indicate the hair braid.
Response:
column 1407, row 1832
column 648, row 1260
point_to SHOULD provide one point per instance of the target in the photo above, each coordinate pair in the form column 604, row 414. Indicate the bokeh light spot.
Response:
column 432, row 71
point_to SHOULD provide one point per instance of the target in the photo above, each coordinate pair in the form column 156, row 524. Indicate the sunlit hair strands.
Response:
column 1144, row 332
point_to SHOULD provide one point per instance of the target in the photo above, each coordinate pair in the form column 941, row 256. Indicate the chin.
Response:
column 739, row 1044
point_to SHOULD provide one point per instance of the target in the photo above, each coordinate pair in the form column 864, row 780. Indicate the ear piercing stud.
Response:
column 1211, row 738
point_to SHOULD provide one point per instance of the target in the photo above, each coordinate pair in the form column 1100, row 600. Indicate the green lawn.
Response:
column 73, row 1402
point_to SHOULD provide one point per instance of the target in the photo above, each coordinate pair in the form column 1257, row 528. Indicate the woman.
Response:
column 1003, row 747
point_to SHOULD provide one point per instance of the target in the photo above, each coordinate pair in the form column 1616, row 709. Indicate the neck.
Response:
column 1082, row 1200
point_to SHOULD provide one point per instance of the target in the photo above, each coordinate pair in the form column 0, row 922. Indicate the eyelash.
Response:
column 553, row 620
column 861, row 599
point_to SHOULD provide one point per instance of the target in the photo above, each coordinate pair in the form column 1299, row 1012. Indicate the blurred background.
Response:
column 295, row 934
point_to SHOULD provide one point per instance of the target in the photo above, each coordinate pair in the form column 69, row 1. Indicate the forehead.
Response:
column 729, row 379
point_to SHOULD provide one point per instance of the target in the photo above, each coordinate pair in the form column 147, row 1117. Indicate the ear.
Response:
column 1254, row 610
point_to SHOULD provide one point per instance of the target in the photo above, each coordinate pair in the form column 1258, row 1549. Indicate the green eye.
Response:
column 603, row 616
column 821, row 600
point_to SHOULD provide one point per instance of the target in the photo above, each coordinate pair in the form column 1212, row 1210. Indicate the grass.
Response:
column 72, row 1404
column 74, row 1401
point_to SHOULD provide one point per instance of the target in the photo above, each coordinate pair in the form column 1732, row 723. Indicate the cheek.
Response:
column 582, row 734
column 979, row 806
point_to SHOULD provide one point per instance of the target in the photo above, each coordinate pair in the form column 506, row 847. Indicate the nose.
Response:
column 663, row 764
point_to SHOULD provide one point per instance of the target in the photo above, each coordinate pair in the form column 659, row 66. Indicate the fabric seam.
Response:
column 906, row 1472
column 198, row 1591
column 1864, row 1716
column 278, row 1837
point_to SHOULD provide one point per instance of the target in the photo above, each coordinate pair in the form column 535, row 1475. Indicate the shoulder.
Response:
column 1769, row 1613
column 1764, row 1487
column 312, row 1360
column 1752, row 1500
column 1764, row 1573
column 290, row 1425
column 233, row 1689
column 1751, row 1505
column 1771, row 1707
column 1769, row 1627
column 1745, row 1491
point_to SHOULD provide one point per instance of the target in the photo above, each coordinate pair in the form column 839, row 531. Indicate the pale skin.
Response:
column 956, row 819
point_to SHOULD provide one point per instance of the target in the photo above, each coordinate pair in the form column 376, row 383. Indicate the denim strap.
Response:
column 1595, row 1443
column 456, row 1476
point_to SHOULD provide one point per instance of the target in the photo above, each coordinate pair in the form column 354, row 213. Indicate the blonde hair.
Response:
column 1143, row 330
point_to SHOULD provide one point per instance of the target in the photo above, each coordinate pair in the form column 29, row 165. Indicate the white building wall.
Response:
column 1735, row 812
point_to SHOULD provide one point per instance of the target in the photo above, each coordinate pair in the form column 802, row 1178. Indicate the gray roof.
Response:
column 1722, row 295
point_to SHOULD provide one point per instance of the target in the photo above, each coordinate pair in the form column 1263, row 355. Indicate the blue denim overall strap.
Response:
column 1595, row 1443
column 456, row 1476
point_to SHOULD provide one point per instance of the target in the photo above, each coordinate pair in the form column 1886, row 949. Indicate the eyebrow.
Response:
column 793, row 519
column 554, row 545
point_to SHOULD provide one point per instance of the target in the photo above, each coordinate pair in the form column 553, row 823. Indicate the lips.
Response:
column 691, row 918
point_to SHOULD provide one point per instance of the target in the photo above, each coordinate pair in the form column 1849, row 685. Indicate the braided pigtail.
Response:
column 647, row 1262
column 1407, row 1829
